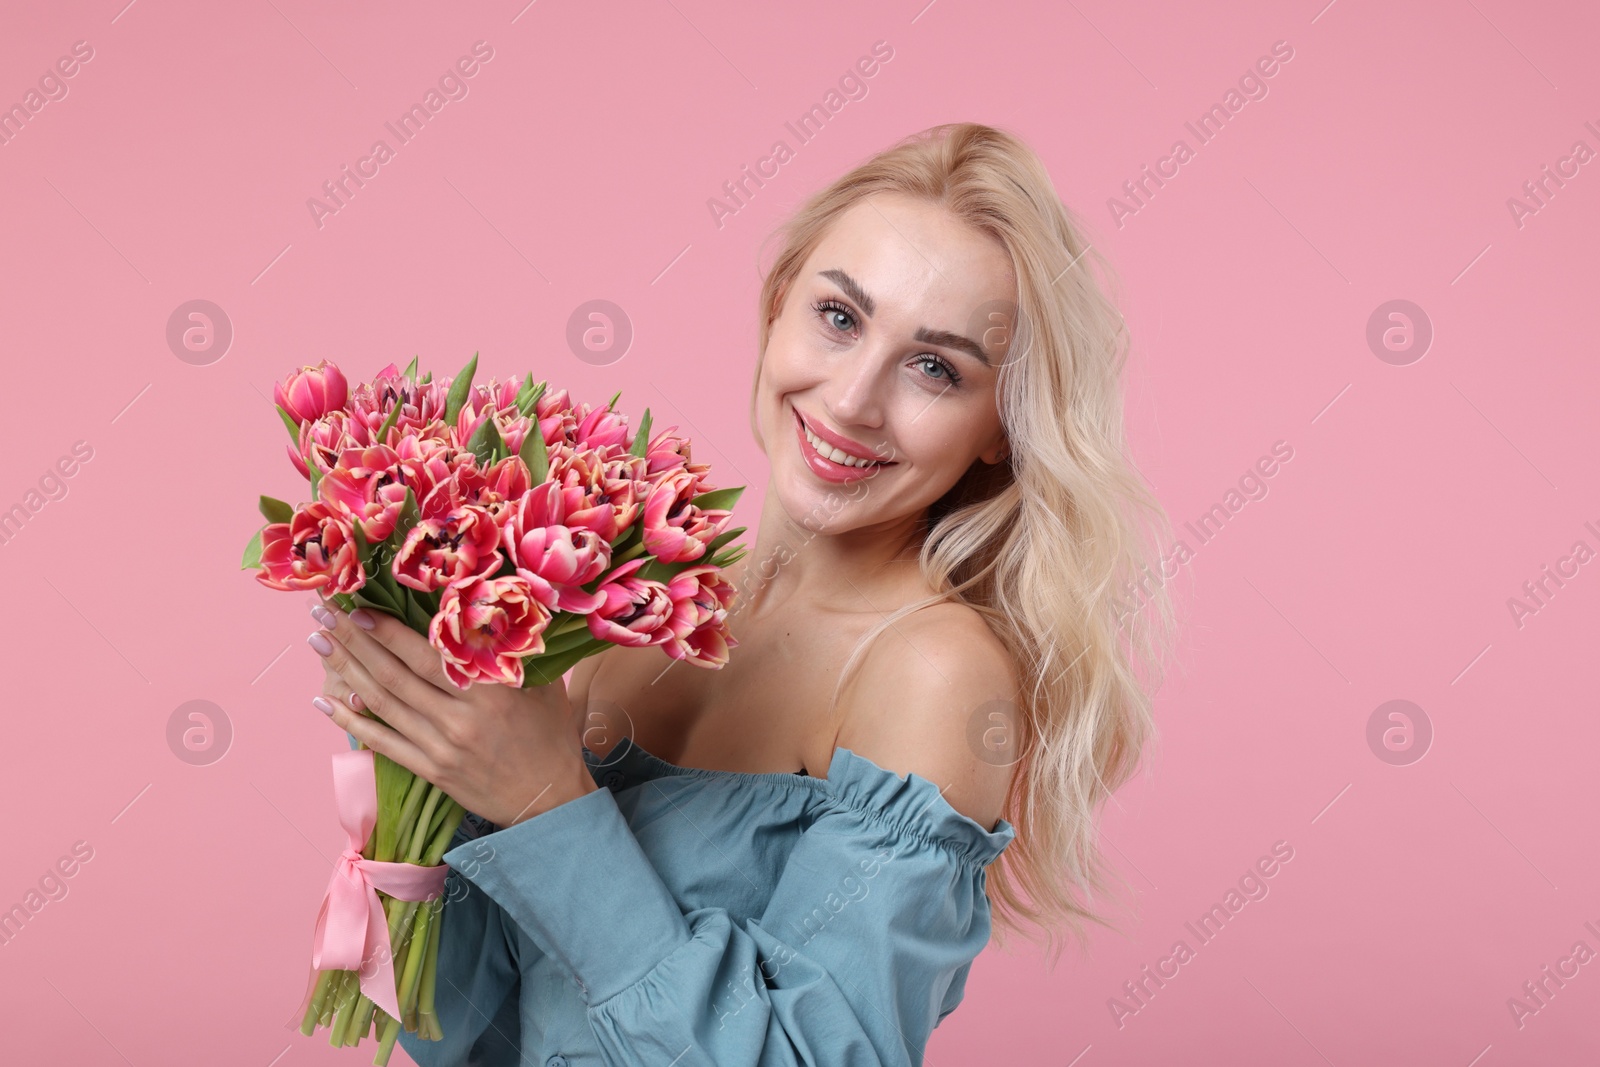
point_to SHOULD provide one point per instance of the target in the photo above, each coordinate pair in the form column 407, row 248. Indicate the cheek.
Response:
column 779, row 367
column 935, row 438
column 780, row 377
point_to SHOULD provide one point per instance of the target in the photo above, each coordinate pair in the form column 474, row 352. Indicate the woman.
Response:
column 793, row 859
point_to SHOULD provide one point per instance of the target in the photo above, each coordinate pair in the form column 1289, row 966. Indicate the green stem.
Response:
column 388, row 1032
column 408, row 812
column 347, row 1010
column 430, row 968
column 319, row 996
column 360, row 1024
column 420, row 937
column 420, row 835
column 440, row 842
column 433, row 824
column 341, row 1008
column 325, row 1015
column 393, row 909
column 402, row 943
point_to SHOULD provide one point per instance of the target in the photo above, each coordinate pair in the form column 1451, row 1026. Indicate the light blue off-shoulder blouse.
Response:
column 680, row 917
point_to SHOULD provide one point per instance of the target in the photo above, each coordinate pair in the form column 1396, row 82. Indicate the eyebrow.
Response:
column 942, row 338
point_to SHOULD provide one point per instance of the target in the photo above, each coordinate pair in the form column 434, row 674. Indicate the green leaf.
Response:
column 411, row 369
column 724, row 537
column 460, row 386
column 544, row 669
column 393, row 416
column 425, row 379
column 612, row 402
column 363, row 547
column 252, row 553
column 408, row 517
column 383, row 575
column 730, row 557
column 567, row 642
column 289, row 421
column 657, row 571
column 641, row 436
column 416, row 615
column 528, row 396
column 485, row 442
column 627, row 539
column 534, row 453
column 316, row 478
column 275, row 510
column 718, row 499
column 373, row 595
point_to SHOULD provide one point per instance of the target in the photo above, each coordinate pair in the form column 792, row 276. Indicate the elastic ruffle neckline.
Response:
column 912, row 805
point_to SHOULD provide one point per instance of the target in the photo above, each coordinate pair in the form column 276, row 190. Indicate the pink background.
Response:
column 1378, row 566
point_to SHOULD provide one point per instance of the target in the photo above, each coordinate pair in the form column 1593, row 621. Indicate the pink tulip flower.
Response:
column 322, row 441
column 312, row 392
column 637, row 611
column 485, row 626
column 496, row 489
column 557, row 561
column 586, row 495
column 675, row 530
column 668, row 452
column 460, row 545
column 599, row 428
column 555, row 553
column 701, row 598
column 364, row 484
column 313, row 550
column 626, row 483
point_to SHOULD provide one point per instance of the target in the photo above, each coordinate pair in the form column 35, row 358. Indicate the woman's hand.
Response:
column 504, row 753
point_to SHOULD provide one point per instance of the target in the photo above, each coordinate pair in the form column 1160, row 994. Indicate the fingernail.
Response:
column 362, row 618
column 320, row 642
column 322, row 705
column 355, row 701
column 324, row 616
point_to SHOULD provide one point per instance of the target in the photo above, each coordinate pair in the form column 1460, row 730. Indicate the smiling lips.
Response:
column 834, row 458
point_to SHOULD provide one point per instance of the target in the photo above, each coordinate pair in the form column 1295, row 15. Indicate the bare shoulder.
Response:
column 912, row 707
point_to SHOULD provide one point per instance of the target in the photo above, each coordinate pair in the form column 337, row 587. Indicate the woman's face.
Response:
column 888, row 344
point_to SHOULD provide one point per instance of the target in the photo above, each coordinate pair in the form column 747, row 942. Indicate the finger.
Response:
column 383, row 740
column 391, row 672
column 400, row 641
column 336, row 689
column 395, row 712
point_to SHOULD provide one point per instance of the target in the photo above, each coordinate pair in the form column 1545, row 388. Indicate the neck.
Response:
column 866, row 568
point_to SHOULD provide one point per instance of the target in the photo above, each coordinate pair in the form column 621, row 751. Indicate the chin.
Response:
column 808, row 505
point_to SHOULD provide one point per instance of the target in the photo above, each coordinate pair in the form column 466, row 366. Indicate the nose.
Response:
column 855, row 397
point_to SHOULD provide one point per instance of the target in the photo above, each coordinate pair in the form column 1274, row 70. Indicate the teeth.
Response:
column 827, row 451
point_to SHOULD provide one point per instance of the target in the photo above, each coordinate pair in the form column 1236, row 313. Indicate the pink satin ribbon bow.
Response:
column 352, row 932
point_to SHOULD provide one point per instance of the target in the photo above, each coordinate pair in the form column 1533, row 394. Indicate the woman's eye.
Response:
column 942, row 367
column 835, row 316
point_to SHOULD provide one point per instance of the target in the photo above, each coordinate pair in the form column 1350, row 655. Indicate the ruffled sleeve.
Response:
column 863, row 946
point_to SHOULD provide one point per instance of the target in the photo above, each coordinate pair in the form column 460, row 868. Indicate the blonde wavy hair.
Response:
column 1054, row 545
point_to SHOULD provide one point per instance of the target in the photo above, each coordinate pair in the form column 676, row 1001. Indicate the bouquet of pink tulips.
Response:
column 521, row 533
